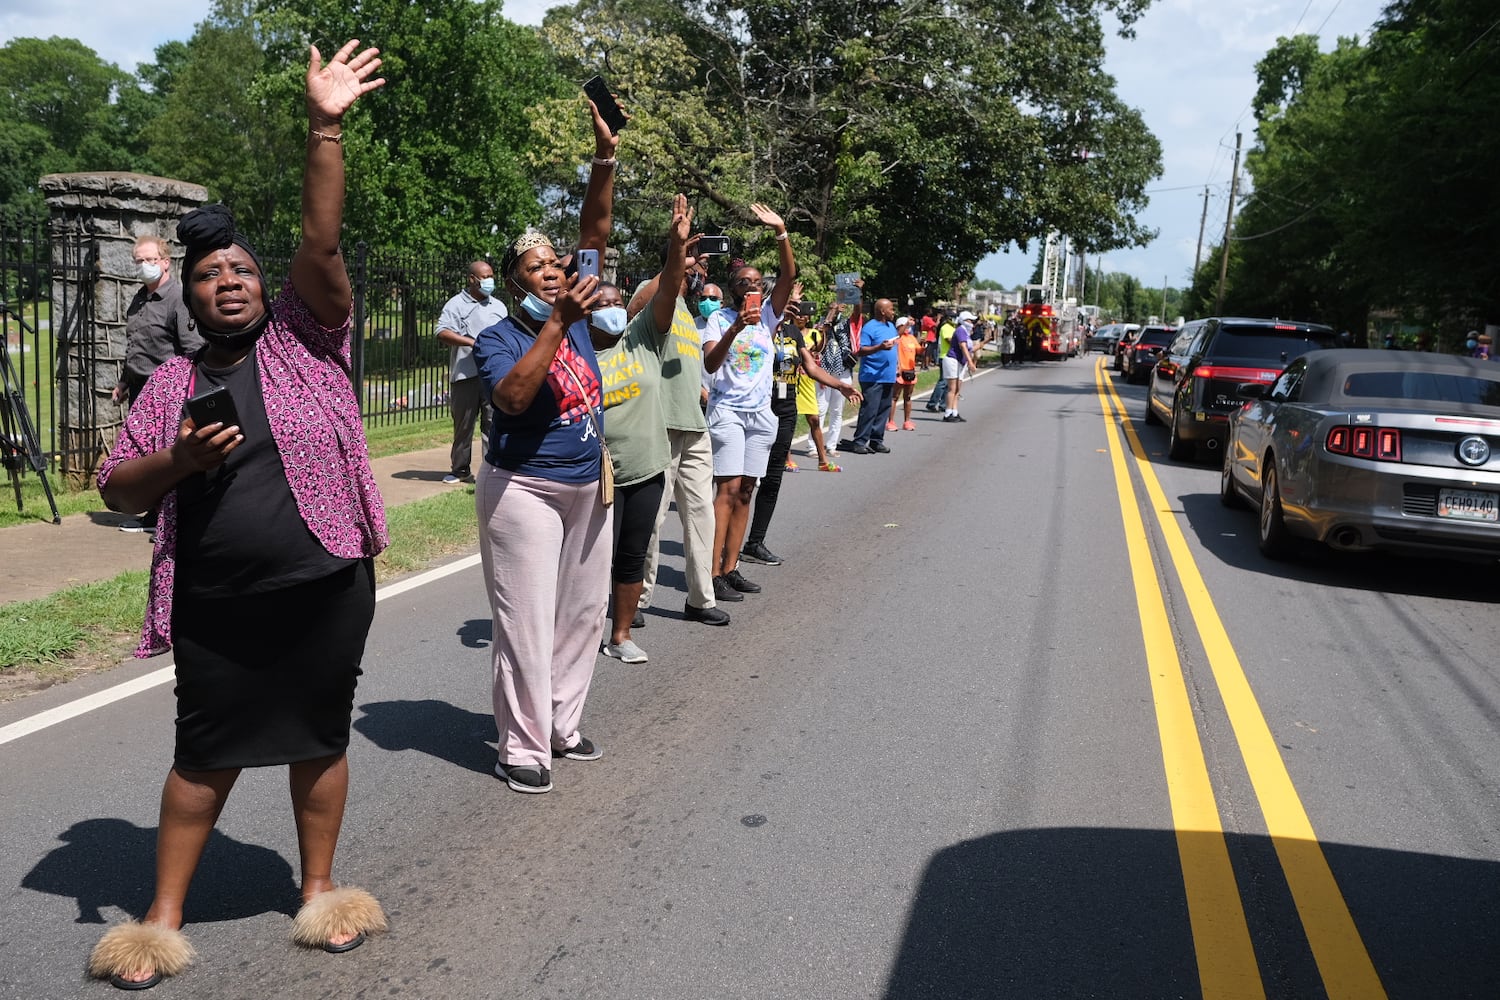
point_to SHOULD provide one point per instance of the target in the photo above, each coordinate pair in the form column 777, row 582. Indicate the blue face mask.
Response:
column 609, row 320
column 707, row 307
column 487, row 287
column 537, row 309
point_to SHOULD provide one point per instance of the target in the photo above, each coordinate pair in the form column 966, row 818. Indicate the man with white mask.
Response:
column 467, row 313
column 157, row 327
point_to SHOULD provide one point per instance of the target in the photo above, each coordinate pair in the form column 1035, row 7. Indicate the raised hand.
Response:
column 332, row 89
column 605, row 141
column 682, row 220
column 767, row 217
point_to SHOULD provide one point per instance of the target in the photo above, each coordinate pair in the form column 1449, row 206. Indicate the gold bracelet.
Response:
column 336, row 138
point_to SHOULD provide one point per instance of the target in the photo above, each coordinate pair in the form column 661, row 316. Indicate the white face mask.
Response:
column 609, row 320
column 486, row 286
column 150, row 271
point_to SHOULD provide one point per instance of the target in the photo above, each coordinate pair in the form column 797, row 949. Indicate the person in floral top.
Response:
column 262, row 580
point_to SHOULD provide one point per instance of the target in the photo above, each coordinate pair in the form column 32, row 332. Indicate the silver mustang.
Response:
column 1368, row 450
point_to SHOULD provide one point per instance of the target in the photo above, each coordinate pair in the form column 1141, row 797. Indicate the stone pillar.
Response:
column 94, row 219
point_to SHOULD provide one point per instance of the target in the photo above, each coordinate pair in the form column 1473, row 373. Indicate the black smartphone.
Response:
column 713, row 245
column 215, row 406
column 609, row 108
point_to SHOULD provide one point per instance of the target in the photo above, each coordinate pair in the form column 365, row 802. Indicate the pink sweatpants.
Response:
column 545, row 547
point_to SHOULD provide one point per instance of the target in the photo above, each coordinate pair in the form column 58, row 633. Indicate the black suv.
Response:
column 1137, row 358
column 1193, row 386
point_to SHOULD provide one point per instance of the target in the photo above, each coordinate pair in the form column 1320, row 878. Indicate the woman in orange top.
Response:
column 907, row 346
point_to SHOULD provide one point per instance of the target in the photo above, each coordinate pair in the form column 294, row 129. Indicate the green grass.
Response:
column 429, row 529
column 94, row 616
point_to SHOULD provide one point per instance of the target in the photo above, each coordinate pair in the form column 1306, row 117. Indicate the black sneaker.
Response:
column 879, row 447
column 858, row 449
column 724, row 591
column 640, row 619
column 757, row 552
column 954, row 418
column 738, row 582
column 708, row 616
column 584, row 749
column 524, row 777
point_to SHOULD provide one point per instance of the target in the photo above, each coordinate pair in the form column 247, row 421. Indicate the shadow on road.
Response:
column 1101, row 913
column 477, row 633
column 112, row 862
column 433, row 727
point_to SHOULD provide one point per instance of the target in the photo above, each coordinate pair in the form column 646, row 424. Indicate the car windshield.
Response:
column 1268, row 344
column 1433, row 387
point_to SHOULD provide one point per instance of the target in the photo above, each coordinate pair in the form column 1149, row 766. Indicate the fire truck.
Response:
column 1050, row 320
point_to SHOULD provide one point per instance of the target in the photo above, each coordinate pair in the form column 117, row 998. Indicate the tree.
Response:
column 906, row 140
column 435, row 160
column 56, row 99
column 1373, row 176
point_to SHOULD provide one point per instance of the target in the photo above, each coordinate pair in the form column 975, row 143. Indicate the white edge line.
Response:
column 158, row 677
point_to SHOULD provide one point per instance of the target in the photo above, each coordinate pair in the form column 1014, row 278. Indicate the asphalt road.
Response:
column 989, row 732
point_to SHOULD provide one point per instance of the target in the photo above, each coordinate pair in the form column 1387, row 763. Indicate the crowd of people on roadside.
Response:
column 595, row 413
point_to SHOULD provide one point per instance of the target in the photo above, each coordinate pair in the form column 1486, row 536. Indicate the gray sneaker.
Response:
column 625, row 652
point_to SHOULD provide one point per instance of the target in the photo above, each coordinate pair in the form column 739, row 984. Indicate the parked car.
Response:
column 1140, row 355
column 1194, row 383
column 1363, row 450
column 1127, row 334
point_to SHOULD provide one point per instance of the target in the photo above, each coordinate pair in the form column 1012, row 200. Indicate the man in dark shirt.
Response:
column 156, row 321
column 156, row 328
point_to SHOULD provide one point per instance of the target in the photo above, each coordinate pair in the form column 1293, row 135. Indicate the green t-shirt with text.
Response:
column 634, row 424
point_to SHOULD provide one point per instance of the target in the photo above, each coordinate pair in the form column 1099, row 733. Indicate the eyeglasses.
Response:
column 710, row 298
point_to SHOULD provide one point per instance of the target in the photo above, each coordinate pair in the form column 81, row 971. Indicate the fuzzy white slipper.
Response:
column 336, row 913
column 130, row 947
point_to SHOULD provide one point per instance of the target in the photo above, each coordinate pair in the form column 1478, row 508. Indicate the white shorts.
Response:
column 950, row 368
column 742, row 440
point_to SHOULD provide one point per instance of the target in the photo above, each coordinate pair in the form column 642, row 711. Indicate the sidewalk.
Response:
column 41, row 558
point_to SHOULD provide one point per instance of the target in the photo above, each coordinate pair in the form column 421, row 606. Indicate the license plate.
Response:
column 1467, row 505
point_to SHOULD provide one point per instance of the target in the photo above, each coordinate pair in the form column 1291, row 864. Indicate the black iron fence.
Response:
column 400, row 368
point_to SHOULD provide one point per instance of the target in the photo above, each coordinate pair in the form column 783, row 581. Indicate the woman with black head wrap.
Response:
column 262, row 579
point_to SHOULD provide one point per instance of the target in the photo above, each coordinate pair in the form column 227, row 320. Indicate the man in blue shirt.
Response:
column 877, row 378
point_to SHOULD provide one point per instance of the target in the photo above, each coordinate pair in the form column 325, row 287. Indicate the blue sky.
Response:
column 1190, row 70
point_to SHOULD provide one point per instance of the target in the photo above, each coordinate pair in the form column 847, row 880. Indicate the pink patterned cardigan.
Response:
column 314, row 417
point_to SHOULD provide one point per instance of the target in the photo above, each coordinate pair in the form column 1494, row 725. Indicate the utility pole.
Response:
column 1164, row 298
column 1202, row 221
column 1234, row 190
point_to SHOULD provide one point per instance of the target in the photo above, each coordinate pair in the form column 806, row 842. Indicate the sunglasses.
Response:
column 710, row 298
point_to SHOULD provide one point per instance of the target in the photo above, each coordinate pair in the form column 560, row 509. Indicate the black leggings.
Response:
column 770, row 484
column 635, row 519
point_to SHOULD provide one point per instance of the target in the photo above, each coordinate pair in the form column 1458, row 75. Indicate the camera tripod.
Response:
column 18, row 441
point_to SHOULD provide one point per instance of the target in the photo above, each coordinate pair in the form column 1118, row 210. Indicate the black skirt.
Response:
column 269, row 678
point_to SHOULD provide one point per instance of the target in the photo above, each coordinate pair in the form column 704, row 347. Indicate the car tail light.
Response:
column 1380, row 443
column 1228, row 374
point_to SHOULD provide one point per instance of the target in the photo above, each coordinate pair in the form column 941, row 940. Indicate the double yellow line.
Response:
column 1221, row 937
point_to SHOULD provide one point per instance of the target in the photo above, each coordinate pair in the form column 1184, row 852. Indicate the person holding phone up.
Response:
column 262, row 581
column 737, row 357
column 545, row 522
column 877, row 378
